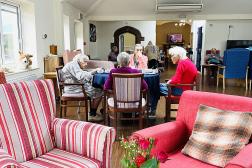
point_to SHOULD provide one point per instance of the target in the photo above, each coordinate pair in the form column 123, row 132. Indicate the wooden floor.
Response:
column 128, row 127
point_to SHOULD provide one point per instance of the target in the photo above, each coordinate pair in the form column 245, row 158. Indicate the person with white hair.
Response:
column 186, row 72
column 74, row 72
column 137, row 59
column 123, row 60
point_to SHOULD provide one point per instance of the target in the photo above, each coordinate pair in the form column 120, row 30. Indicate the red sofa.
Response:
column 172, row 136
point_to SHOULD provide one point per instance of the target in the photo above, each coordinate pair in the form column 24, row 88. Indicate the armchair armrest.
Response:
column 242, row 159
column 170, row 136
column 7, row 161
column 84, row 138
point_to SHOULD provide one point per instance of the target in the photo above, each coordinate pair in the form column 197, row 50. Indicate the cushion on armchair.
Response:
column 218, row 135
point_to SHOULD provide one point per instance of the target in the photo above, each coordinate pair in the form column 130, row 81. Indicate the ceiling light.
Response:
column 164, row 7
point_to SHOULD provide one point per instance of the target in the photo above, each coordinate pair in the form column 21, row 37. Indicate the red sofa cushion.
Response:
column 184, row 162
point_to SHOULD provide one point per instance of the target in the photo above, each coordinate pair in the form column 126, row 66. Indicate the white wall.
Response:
column 105, row 35
column 73, row 14
column 217, row 32
column 48, row 18
column 79, row 35
column 44, row 13
column 28, row 30
column 195, row 25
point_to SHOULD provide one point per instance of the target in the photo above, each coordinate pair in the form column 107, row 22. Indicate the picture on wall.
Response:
column 92, row 33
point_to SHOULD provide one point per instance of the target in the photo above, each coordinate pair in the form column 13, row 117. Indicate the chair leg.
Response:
column 217, row 81
column 86, row 110
column 78, row 110
column 115, row 124
column 246, row 84
column 141, row 120
column 224, row 86
column 64, row 108
column 147, row 117
column 168, row 110
column 60, row 110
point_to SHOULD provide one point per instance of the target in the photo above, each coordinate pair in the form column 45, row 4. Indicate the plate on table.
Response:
column 149, row 71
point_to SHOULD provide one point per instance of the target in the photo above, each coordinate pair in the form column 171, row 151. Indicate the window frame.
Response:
column 19, row 24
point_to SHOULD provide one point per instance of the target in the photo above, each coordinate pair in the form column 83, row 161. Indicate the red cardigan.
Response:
column 185, row 73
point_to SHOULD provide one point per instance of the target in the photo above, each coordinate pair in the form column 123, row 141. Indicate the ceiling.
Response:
column 81, row 4
column 147, row 7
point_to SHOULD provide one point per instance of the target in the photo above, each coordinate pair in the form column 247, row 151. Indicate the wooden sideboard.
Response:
column 50, row 65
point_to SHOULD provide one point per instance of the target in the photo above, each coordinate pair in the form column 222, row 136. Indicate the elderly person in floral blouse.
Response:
column 137, row 59
column 74, row 71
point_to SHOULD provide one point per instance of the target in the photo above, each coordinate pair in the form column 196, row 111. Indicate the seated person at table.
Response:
column 113, row 54
column 137, row 59
column 123, row 63
column 186, row 72
column 74, row 72
column 213, row 57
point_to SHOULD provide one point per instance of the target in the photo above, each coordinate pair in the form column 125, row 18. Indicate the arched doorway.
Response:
column 127, row 29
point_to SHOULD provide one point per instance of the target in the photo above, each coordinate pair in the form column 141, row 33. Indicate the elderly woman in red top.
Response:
column 185, row 73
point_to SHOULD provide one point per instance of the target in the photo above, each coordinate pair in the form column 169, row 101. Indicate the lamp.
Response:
column 182, row 22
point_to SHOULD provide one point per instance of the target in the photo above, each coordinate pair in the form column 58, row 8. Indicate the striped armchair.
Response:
column 31, row 136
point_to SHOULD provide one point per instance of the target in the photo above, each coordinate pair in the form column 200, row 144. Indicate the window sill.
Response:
column 13, row 72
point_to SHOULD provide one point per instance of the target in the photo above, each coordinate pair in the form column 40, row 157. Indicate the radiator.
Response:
column 23, row 78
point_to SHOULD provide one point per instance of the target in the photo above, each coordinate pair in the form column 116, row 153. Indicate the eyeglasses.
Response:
column 139, row 50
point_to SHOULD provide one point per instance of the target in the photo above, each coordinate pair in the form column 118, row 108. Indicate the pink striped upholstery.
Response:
column 29, row 131
column 88, row 139
column 58, row 159
column 6, row 160
column 26, row 114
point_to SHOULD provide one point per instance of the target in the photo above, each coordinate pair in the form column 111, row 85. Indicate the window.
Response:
column 10, row 33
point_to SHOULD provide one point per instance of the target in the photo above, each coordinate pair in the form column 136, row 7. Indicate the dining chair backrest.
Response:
column 236, row 61
column 127, row 90
column 60, row 80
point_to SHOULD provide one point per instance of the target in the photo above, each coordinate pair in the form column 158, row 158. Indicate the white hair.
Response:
column 81, row 58
column 123, row 59
column 178, row 51
column 138, row 46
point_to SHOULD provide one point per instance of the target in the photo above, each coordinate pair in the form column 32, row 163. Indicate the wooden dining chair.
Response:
column 172, row 99
column 127, row 98
column 81, row 98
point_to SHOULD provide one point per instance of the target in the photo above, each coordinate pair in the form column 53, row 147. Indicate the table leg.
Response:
column 202, row 75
